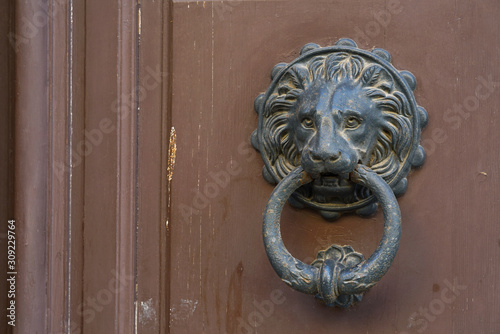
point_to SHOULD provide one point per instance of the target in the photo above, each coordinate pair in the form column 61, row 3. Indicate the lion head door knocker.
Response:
column 339, row 131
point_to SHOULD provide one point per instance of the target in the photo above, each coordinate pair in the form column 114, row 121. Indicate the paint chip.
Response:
column 172, row 151
column 147, row 312
column 184, row 310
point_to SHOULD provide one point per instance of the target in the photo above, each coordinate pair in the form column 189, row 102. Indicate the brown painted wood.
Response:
column 223, row 53
column 48, row 209
column 62, row 221
column 110, row 168
column 77, row 163
column 75, row 261
column 110, row 245
column 31, row 174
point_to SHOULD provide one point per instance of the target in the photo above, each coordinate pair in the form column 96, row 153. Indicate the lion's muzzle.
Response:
column 328, row 154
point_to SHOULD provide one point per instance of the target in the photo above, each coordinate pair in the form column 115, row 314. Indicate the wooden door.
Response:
column 445, row 276
column 157, row 228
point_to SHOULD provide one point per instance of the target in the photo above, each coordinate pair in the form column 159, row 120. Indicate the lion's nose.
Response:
column 324, row 156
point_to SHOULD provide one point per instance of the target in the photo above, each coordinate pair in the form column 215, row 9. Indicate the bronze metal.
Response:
column 339, row 128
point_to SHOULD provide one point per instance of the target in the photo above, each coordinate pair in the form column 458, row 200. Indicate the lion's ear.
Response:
column 377, row 77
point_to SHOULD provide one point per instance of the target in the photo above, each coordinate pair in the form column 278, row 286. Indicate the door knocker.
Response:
column 339, row 131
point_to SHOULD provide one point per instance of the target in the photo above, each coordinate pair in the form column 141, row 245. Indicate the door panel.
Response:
column 221, row 280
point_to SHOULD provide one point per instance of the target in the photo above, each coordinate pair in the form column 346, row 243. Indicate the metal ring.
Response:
column 336, row 277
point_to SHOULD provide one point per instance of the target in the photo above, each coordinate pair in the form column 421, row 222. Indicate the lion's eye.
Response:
column 352, row 122
column 308, row 123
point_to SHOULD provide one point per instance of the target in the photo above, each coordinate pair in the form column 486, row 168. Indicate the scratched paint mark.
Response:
column 139, row 18
column 147, row 312
column 184, row 310
column 172, row 151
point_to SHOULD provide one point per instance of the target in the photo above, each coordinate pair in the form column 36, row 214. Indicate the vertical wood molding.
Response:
column 84, row 204
column 166, row 107
column 59, row 180
column 153, row 256
column 110, row 195
column 126, row 221
column 31, row 130
column 48, row 184
column 76, row 108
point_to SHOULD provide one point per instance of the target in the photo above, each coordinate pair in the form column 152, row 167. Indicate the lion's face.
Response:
column 335, row 127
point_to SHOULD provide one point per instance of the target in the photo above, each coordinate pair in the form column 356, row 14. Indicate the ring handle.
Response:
column 339, row 276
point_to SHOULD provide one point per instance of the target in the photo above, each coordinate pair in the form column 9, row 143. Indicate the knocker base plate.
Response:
column 330, row 109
